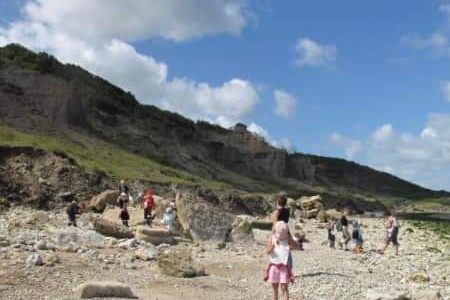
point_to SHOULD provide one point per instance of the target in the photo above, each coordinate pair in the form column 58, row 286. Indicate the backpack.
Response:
column 339, row 225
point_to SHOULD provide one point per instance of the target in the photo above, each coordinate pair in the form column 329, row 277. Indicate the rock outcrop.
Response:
column 203, row 221
column 99, row 202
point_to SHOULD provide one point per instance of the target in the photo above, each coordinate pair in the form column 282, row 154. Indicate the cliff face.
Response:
column 40, row 95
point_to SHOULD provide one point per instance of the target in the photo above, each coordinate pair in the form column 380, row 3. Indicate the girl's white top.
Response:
column 280, row 253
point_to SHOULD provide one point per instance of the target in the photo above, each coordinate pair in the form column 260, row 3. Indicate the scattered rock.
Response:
column 419, row 278
column 147, row 253
column 178, row 262
column 74, row 235
column 103, row 290
column 128, row 244
column 35, row 259
column 427, row 295
column 387, row 294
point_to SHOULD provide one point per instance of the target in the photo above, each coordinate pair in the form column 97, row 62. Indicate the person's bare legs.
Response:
column 396, row 249
column 275, row 291
column 285, row 291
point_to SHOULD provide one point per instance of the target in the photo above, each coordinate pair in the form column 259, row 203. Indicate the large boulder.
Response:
column 262, row 224
column 202, row 220
column 309, row 203
column 136, row 215
column 99, row 202
column 103, row 290
column 242, row 229
column 333, row 214
column 78, row 236
column 109, row 228
column 387, row 294
column 321, row 216
column 155, row 235
column 310, row 214
column 178, row 262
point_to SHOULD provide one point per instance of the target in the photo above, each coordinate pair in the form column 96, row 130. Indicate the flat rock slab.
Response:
column 155, row 235
column 92, row 290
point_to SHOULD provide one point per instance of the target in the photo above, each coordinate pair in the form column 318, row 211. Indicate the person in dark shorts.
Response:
column 391, row 231
column 72, row 211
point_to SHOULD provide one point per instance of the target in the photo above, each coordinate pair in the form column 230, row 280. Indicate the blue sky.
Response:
column 366, row 80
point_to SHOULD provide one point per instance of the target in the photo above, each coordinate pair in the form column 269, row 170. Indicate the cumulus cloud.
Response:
column 313, row 54
column 423, row 158
column 350, row 146
column 383, row 134
column 438, row 41
column 104, row 48
column 285, row 104
column 445, row 88
column 176, row 20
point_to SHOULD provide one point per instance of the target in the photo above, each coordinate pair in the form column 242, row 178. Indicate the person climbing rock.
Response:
column 279, row 272
column 392, row 228
column 73, row 209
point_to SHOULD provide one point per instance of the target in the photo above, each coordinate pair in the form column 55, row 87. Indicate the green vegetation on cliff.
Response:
column 99, row 156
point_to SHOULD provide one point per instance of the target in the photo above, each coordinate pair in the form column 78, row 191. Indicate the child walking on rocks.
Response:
column 279, row 271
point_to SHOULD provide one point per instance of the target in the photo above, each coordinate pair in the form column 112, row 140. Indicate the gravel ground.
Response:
column 234, row 272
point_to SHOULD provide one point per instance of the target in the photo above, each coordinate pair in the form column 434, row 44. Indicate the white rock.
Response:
column 35, row 259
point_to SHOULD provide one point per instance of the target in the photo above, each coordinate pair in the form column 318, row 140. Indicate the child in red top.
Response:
column 149, row 204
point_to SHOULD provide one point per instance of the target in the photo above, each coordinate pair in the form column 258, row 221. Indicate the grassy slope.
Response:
column 98, row 156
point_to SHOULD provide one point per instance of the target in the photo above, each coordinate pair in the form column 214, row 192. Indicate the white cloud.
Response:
column 445, row 88
column 133, row 20
column 350, row 146
column 311, row 53
column 103, row 48
column 423, row 158
column 437, row 42
column 383, row 134
column 285, row 104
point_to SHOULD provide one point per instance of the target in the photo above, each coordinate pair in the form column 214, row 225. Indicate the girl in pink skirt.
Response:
column 279, row 272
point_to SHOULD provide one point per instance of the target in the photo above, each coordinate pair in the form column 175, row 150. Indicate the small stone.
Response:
column 35, row 259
